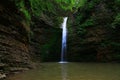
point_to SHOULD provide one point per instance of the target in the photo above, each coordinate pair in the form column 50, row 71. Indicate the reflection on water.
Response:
column 64, row 72
column 72, row 71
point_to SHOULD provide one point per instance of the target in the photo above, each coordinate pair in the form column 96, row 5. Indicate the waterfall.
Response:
column 64, row 40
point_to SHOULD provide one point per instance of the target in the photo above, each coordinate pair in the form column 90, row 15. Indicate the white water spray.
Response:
column 64, row 40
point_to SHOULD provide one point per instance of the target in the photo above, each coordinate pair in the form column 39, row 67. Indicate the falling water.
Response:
column 64, row 40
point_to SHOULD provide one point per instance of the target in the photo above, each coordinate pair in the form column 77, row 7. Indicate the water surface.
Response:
column 72, row 71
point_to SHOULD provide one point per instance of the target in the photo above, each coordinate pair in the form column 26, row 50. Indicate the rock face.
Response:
column 46, row 41
column 14, row 42
column 17, row 47
column 88, row 46
column 91, row 37
column 2, row 76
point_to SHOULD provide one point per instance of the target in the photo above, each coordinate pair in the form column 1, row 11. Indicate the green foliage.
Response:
column 116, row 49
column 91, row 4
column 50, row 51
column 116, row 22
column 55, row 6
column 117, row 2
column 70, row 4
column 21, row 6
column 39, row 6
column 88, row 23
column 97, row 24
column 82, row 27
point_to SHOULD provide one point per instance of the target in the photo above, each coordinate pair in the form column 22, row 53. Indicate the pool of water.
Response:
column 72, row 71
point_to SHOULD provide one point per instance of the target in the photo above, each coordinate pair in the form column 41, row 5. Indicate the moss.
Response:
column 54, row 6
column 21, row 6
column 50, row 51
column 116, row 21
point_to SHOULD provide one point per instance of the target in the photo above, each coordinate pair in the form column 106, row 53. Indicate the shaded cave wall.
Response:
column 46, row 41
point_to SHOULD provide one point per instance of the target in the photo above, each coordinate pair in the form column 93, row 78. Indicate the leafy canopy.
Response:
column 55, row 6
column 50, row 8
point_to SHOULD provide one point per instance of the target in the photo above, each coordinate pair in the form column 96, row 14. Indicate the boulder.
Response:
column 2, row 76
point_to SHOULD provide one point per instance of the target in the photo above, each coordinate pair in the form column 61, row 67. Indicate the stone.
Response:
column 2, row 76
column 18, row 69
column 2, row 65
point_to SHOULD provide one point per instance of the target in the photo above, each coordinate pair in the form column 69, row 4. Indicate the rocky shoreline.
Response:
column 2, row 74
column 5, row 70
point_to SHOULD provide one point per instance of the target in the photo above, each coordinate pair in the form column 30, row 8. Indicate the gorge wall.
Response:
column 26, row 39
column 94, row 33
column 24, row 44
column 14, row 40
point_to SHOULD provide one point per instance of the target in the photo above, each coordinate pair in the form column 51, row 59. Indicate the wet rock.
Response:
column 2, row 65
column 17, row 69
column 14, row 42
column 2, row 76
